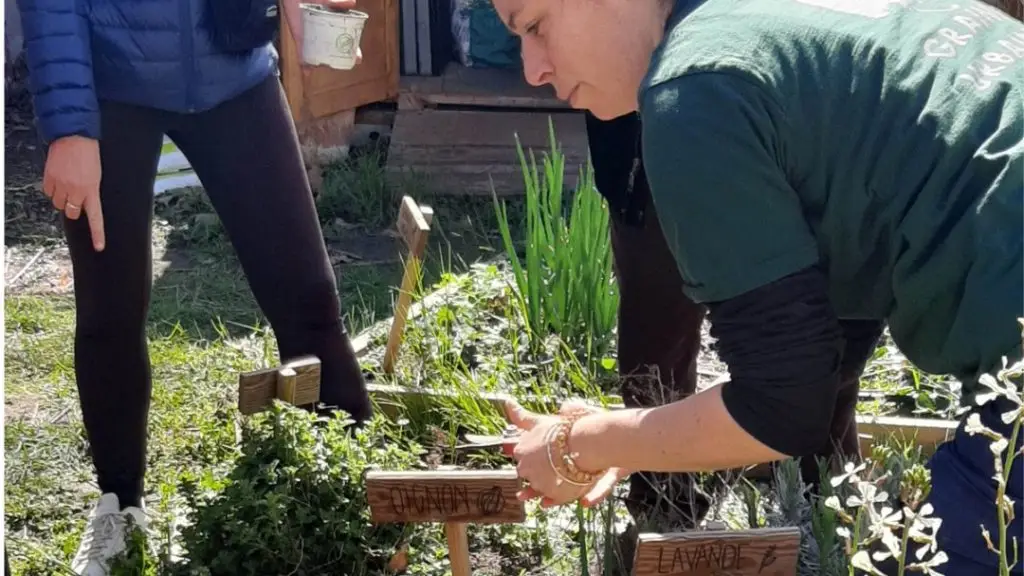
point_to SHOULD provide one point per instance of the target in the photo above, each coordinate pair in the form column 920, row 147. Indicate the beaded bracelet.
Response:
column 558, row 438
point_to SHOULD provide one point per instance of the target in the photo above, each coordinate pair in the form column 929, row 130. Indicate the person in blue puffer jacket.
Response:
column 109, row 79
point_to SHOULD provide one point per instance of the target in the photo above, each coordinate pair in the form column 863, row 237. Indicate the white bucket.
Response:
column 331, row 37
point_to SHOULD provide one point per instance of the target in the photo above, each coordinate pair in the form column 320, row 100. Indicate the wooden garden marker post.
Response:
column 456, row 497
column 414, row 227
column 296, row 382
column 759, row 552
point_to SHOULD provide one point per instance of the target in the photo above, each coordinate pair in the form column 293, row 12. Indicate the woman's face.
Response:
column 594, row 53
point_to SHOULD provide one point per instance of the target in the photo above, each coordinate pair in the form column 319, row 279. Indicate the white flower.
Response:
column 998, row 446
column 1012, row 415
column 927, row 567
column 850, row 471
column 862, row 561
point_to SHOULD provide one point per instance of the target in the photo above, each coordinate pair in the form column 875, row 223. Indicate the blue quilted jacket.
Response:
column 154, row 53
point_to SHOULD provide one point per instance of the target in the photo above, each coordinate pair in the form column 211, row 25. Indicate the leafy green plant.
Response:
column 136, row 559
column 295, row 502
column 565, row 281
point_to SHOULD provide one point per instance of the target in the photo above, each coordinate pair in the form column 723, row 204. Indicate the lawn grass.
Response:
column 48, row 473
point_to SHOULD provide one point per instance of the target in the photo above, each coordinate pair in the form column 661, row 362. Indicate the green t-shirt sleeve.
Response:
column 715, row 163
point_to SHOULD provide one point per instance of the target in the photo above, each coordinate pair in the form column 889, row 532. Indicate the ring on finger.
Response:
column 70, row 206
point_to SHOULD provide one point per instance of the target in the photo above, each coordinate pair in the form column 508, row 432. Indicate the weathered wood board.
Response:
column 459, row 152
column 462, row 86
column 414, row 227
column 461, row 496
column 760, row 552
column 296, row 382
column 256, row 390
column 925, row 432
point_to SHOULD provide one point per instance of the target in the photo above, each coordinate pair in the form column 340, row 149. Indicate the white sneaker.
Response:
column 104, row 536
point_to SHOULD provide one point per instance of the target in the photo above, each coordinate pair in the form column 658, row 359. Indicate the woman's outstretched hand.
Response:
column 534, row 466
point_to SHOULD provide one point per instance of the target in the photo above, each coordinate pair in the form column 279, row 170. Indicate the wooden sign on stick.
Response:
column 296, row 382
column 414, row 227
column 758, row 552
column 457, row 498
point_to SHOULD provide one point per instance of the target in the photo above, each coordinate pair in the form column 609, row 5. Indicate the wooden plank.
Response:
column 763, row 552
column 925, row 432
column 463, row 86
column 473, row 158
column 296, row 382
column 414, row 227
column 489, row 128
column 256, row 390
column 465, row 496
column 462, row 152
column 457, row 535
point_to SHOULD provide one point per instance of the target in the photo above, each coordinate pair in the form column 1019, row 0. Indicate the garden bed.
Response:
column 463, row 352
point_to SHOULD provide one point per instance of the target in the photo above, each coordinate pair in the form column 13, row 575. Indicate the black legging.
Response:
column 247, row 156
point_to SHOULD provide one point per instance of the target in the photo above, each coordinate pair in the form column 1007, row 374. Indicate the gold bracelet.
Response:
column 571, row 474
column 551, row 459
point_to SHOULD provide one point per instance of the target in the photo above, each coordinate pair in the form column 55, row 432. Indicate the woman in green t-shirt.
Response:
column 813, row 164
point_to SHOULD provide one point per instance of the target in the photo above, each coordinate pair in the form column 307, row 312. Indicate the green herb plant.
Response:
column 295, row 502
column 565, row 281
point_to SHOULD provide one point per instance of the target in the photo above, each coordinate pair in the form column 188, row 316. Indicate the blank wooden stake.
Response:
column 414, row 227
column 297, row 382
column 455, row 497
column 458, row 548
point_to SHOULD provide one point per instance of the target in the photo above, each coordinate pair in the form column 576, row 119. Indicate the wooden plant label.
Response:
column 296, row 382
column 763, row 551
column 470, row 496
column 414, row 227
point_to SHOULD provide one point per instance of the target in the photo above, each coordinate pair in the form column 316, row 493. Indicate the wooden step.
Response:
column 461, row 152
column 485, row 87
